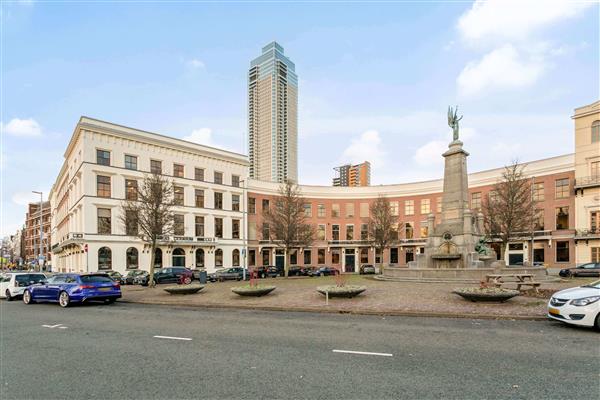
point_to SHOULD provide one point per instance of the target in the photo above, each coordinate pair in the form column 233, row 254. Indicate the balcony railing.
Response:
column 186, row 239
column 592, row 233
column 587, row 181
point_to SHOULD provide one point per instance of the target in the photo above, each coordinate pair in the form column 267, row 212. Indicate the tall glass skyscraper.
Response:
column 273, row 116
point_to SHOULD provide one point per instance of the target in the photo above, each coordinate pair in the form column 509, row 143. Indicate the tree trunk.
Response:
column 151, row 282
column 286, row 268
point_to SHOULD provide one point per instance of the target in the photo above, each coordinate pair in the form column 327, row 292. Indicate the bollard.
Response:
column 327, row 297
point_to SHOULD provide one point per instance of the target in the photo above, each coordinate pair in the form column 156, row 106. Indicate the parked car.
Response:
column 326, row 271
column 300, row 271
column 13, row 284
column 114, row 275
column 257, row 272
column 578, row 306
column 170, row 275
column 129, row 279
column 141, row 278
column 366, row 269
column 588, row 269
column 227, row 274
column 66, row 289
column 274, row 272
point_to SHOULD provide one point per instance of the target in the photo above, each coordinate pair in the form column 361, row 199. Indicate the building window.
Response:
column 562, row 251
column 218, row 177
column 158, row 258
column 438, row 204
column 294, row 257
column 493, row 196
column 476, row 201
column 235, row 258
column 156, row 167
column 199, row 174
column 266, row 231
column 335, row 256
column 251, row 205
column 104, row 221
column 394, row 255
column 103, row 186
column 335, row 232
column 595, row 254
column 409, row 230
column 424, row 230
column 178, row 195
column 307, row 257
column 595, row 169
column 307, row 210
column 219, row 227
column 335, row 211
column 562, row 188
column 235, row 180
column 235, row 228
column 199, row 198
column 349, row 232
column 364, row 256
column 199, row 258
column 595, row 131
column 218, row 258
column 251, row 258
column 364, row 231
column 178, row 170
column 364, row 210
column 321, row 232
column 131, row 189
column 266, row 257
column 132, row 258
column 321, row 256
column 178, row 225
column 539, row 221
column 562, row 218
column 595, row 221
column 235, row 202
column 426, row 206
column 349, row 210
column 378, row 256
column 199, row 225
column 409, row 207
column 410, row 255
column 321, row 210
column 394, row 208
column 538, row 191
column 265, row 205
column 130, row 162
column 104, row 258
column 131, row 226
column 218, row 200
column 103, row 157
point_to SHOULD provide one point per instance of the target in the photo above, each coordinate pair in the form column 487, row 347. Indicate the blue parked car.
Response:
column 66, row 289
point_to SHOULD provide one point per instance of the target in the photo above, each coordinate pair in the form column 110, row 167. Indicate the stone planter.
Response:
column 253, row 291
column 486, row 294
column 348, row 291
column 183, row 289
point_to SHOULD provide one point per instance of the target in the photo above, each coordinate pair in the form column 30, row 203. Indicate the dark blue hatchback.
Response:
column 66, row 289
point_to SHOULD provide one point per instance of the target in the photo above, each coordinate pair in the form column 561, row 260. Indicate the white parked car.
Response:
column 13, row 284
column 578, row 306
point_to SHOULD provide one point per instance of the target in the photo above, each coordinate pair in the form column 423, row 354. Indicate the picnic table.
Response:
column 519, row 279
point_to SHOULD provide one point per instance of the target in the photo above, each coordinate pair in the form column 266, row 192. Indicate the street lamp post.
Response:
column 244, row 227
column 41, row 229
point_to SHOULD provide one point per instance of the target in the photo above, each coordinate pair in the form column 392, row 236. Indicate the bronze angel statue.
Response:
column 453, row 120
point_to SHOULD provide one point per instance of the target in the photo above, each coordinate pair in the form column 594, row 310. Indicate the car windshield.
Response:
column 595, row 285
column 95, row 278
column 28, row 278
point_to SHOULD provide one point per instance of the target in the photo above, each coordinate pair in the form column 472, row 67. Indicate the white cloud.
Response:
column 514, row 19
column 24, row 198
column 367, row 147
column 22, row 127
column 502, row 68
column 200, row 136
column 430, row 153
column 195, row 63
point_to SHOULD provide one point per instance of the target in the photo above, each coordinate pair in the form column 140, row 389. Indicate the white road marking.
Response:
column 54, row 326
column 366, row 353
column 172, row 337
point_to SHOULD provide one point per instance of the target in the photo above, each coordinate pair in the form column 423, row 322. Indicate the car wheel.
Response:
column 597, row 322
column 187, row 280
column 8, row 296
column 63, row 299
column 27, row 297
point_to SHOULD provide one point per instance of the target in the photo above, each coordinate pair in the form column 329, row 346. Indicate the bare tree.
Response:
column 147, row 213
column 509, row 209
column 286, row 222
column 383, row 226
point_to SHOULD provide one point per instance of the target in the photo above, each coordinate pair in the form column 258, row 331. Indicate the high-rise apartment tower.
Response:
column 353, row 175
column 273, row 116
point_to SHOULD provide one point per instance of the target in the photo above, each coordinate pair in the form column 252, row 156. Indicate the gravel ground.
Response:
column 380, row 296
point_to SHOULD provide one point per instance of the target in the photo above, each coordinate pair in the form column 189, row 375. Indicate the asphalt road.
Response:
column 103, row 352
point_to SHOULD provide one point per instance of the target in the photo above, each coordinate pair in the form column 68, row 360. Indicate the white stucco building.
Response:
column 103, row 163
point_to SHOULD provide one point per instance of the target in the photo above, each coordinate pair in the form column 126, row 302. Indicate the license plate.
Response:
column 104, row 289
column 553, row 311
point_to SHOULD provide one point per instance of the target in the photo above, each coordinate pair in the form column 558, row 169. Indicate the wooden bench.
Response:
column 519, row 279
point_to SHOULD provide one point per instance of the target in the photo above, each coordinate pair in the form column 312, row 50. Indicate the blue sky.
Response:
column 375, row 80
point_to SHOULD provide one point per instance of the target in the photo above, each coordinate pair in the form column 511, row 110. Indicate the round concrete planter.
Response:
column 341, row 291
column 253, row 291
column 486, row 294
column 183, row 289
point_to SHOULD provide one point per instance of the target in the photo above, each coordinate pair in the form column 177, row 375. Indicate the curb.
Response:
column 351, row 312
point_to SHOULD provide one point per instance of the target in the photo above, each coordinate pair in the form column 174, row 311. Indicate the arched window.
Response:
column 235, row 257
column 104, row 258
column 218, row 258
column 178, row 258
column 132, row 258
column 200, row 258
column 158, row 258
column 595, row 131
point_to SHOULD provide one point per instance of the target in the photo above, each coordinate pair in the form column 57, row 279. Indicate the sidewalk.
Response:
column 381, row 298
